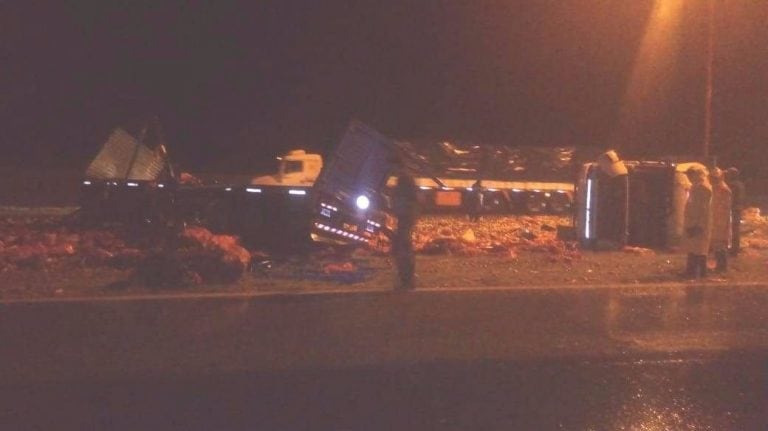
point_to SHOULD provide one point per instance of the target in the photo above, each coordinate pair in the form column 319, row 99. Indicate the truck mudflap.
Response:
column 348, row 204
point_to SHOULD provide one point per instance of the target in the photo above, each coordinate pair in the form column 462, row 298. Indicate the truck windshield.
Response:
column 291, row 166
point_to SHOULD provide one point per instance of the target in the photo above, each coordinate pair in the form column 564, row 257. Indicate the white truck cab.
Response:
column 296, row 168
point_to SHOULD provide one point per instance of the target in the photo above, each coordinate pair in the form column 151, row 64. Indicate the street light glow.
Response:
column 666, row 9
column 648, row 93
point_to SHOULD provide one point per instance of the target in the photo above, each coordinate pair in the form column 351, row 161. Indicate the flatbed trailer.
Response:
column 116, row 189
column 499, row 196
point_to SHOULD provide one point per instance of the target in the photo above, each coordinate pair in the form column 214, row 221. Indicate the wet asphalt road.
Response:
column 640, row 358
column 714, row 393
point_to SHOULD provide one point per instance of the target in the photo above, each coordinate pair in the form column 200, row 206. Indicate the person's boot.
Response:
column 701, row 266
column 689, row 267
column 405, row 283
column 721, row 259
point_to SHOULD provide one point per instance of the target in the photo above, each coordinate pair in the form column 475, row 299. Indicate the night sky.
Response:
column 234, row 84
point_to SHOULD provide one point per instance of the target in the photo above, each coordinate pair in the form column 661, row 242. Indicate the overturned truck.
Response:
column 634, row 203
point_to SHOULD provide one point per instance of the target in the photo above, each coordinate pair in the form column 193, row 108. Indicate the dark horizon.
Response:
column 236, row 84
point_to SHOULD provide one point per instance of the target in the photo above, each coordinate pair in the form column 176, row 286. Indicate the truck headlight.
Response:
column 363, row 202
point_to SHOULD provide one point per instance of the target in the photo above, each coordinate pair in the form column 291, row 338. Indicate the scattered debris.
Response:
column 637, row 250
column 346, row 267
column 189, row 179
column 200, row 256
column 498, row 235
column 336, row 269
column 46, row 243
column 754, row 228
column 469, row 236
column 49, row 243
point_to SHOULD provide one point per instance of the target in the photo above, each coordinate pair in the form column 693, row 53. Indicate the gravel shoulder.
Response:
column 500, row 251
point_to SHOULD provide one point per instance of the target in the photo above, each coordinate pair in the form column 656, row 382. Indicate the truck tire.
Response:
column 252, row 226
column 216, row 216
column 559, row 203
column 535, row 203
column 496, row 203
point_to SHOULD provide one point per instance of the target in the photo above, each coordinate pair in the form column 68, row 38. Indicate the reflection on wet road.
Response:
column 715, row 393
column 687, row 395
column 678, row 357
column 690, row 318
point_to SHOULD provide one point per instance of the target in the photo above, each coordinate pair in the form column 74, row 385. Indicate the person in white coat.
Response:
column 698, row 223
column 721, row 219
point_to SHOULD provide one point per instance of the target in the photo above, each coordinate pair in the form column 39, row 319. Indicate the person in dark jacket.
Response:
column 738, row 193
column 405, row 208
column 475, row 204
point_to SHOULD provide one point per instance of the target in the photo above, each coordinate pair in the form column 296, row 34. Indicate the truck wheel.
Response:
column 495, row 203
column 559, row 203
column 252, row 226
column 535, row 203
column 216, row 216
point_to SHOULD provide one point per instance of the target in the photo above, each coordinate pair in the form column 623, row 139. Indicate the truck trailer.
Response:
column 131, row 183
column 513, row 180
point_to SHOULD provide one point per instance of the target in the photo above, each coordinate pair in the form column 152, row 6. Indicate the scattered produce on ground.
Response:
column 51, row 254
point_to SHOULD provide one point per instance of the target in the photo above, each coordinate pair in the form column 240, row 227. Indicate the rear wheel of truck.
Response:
column 535, row 203
column 559, row 203
column 495, row 203
column 216, row 216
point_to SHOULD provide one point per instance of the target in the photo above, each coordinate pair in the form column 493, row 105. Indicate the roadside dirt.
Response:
column 41, row 256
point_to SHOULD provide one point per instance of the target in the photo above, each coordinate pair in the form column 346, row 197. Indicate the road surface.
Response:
column 632, row 357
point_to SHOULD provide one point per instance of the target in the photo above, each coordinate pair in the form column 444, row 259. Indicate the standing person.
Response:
column 721, row 219
column 698, row 223
column 475, row 201
column 404, row 207
column 738, row 194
